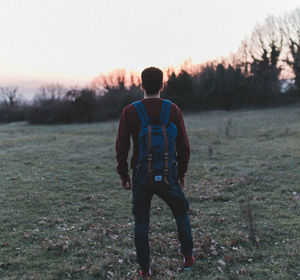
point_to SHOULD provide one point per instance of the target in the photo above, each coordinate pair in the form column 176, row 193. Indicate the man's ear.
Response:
column 162, row 86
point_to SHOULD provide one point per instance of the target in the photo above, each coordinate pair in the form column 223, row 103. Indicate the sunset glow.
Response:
column 72, row 41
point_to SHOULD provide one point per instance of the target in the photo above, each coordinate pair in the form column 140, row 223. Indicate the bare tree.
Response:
column 135, row 80
column 53, row 91
column 9, row 96
column 266, row 36
column 243, row 57
column 116, row 79
column 266, row 44
column 292, row 33
column 73, row 94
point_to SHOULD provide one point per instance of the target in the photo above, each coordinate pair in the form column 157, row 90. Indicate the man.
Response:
column 147, row 113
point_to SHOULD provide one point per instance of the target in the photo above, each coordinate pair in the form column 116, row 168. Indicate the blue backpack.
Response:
column 157, row 153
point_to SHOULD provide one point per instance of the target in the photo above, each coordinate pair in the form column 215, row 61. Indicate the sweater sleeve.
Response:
column 122, row 146
column 182, row 145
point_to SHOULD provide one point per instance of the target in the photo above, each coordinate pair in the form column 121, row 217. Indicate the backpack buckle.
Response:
column 175, row 162
column 166, row 155
column 149, row 157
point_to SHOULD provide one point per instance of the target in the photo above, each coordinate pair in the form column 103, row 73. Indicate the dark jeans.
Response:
column 175, row 199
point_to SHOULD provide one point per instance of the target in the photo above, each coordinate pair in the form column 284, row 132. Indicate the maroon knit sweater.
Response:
column 130, row 126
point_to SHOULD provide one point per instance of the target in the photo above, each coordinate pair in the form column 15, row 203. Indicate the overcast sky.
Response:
column 75, row 40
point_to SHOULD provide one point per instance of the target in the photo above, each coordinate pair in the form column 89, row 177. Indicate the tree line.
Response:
column 264, row 71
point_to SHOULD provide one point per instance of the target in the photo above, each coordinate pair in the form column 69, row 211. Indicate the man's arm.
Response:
column 182, row 146
column 122, row 148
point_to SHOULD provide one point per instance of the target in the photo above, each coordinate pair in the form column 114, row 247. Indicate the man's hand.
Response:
column 126, row 183
column 181, row 182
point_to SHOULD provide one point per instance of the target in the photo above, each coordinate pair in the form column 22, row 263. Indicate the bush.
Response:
column 15, row 114
column 82, row 106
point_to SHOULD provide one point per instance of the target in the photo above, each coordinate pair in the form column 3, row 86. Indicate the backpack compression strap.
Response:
column 166, row 155
column 149, row 154
column 165, row 111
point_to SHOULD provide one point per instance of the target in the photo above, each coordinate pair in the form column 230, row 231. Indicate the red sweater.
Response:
column 130, row 126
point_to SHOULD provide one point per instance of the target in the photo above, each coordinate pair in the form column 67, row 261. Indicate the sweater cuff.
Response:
column 181, row 174
column 124, row 176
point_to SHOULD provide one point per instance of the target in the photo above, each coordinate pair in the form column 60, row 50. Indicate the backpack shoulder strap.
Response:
column 140, row 108
column 165, row 111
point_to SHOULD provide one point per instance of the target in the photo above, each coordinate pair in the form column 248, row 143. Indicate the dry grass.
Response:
column 64, row 216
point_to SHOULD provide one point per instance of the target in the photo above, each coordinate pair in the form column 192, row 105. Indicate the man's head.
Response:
column 152, row 80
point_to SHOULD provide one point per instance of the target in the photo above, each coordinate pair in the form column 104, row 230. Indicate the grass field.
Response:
column 64, row 216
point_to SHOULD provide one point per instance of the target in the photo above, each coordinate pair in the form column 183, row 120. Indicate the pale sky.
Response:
column 75, row 40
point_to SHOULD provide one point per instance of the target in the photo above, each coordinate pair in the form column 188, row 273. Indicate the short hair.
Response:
column 152, row 80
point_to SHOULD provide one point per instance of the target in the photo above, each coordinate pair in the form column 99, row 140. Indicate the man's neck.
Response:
column 152, row 96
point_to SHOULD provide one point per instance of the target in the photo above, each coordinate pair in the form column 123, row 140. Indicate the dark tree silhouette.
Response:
column 9, row 96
